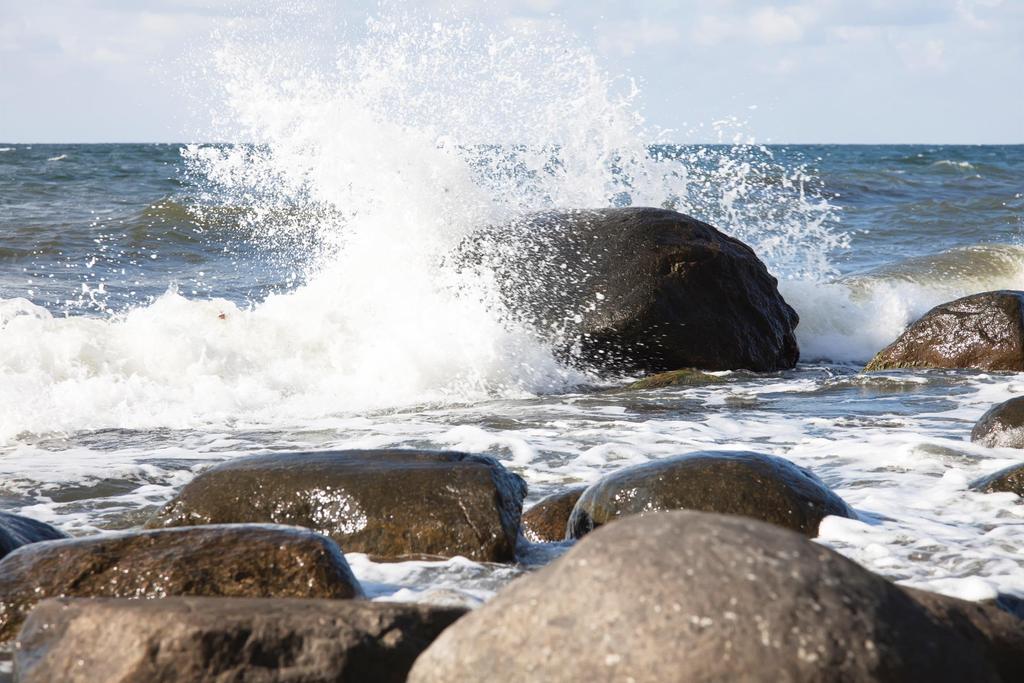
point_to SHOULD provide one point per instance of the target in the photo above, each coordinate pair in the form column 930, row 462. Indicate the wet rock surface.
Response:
column 16, row 531
column 982, row 332
column 1002, row 425
column 218, row 639
column 1009, row 479
column 390, row 504
column 640, row 290
column 755, row 485
column 687, row 596
column 225, row 560
column 675, row 378
column 546, row 521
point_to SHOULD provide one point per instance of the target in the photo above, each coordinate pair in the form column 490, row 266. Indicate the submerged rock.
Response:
column 981, row 332
column 763, row 487
column 390, row 504
column 675, row 378
column 16, row 531
column 231, row 560
column 687, row 596
column 546, row 521
column 640, row 290
column 216, row 639
column 1010, row 479
column 1001, row 425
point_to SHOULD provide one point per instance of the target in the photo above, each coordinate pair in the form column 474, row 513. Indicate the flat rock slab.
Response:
column 245, row 560
column 16, row 531
column 1010, row 479
column 980, row 332
column 755, row 485
column 1002, row 426
column 215, row 640
column 390, row 504
column 696, row 597
column 546, row 521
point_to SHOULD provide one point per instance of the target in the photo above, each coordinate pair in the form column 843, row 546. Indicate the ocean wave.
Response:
column 966, row 165
column 59, row 157
column 6, row 149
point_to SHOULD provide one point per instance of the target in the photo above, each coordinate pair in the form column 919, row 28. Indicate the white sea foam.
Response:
column 59, row 157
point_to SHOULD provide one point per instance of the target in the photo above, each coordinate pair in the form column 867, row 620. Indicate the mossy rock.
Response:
column 688, row 377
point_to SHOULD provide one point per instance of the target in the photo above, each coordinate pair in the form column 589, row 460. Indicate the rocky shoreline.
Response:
column 692, row 567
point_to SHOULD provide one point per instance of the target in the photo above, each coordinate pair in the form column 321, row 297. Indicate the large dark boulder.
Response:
column 1001, row 425
column 16, row 531
column 639, row 290
column 763, row 487
column 1010, row 479
column 218, row 640
column 546, row 521
column 390, row 504
column 980, row 332
column 230, row 560
column 688, row 596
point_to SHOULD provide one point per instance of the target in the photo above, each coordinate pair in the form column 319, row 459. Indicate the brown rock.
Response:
column 228, row 560
column 763, row 487
column 675, row 378
column 16, row 531
column 390, row 504
column 980, row 332
column 688, row 596
column 1001, row 425
column 1009, row 479
column 546, row 521
column 639, row 290
column 220, row 639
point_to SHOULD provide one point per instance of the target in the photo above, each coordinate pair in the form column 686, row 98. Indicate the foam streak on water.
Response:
column 160, row 312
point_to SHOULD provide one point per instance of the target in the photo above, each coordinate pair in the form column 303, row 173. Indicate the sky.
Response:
column 824, row 71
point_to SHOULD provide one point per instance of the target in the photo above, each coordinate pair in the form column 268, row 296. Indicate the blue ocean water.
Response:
column 157, row 315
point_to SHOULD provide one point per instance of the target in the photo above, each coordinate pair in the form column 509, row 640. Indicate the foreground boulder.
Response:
column 687, row 596
column 640, row 290
column 546, row 521
column 230, row 560
column 1001, row 425
column 390, row 504
column 763, row 487
column 979, row 332
column 16, row 531
column 1010, row 479
column 217, row 639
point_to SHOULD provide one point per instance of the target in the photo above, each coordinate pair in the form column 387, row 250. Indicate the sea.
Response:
column 166, row 307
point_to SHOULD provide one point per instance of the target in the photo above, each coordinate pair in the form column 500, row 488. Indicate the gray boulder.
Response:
column 213, row 640
column 390, row 504
column 688, row 596
column 763, row 487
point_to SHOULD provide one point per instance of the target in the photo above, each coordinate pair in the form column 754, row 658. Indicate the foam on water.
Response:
column 414, row 134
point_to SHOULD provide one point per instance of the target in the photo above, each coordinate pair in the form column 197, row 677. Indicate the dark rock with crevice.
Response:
column 638, row 290
column 764, row 487
column 216, row 639
column 979, row 332
column 244, row 560
column 393, row 504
